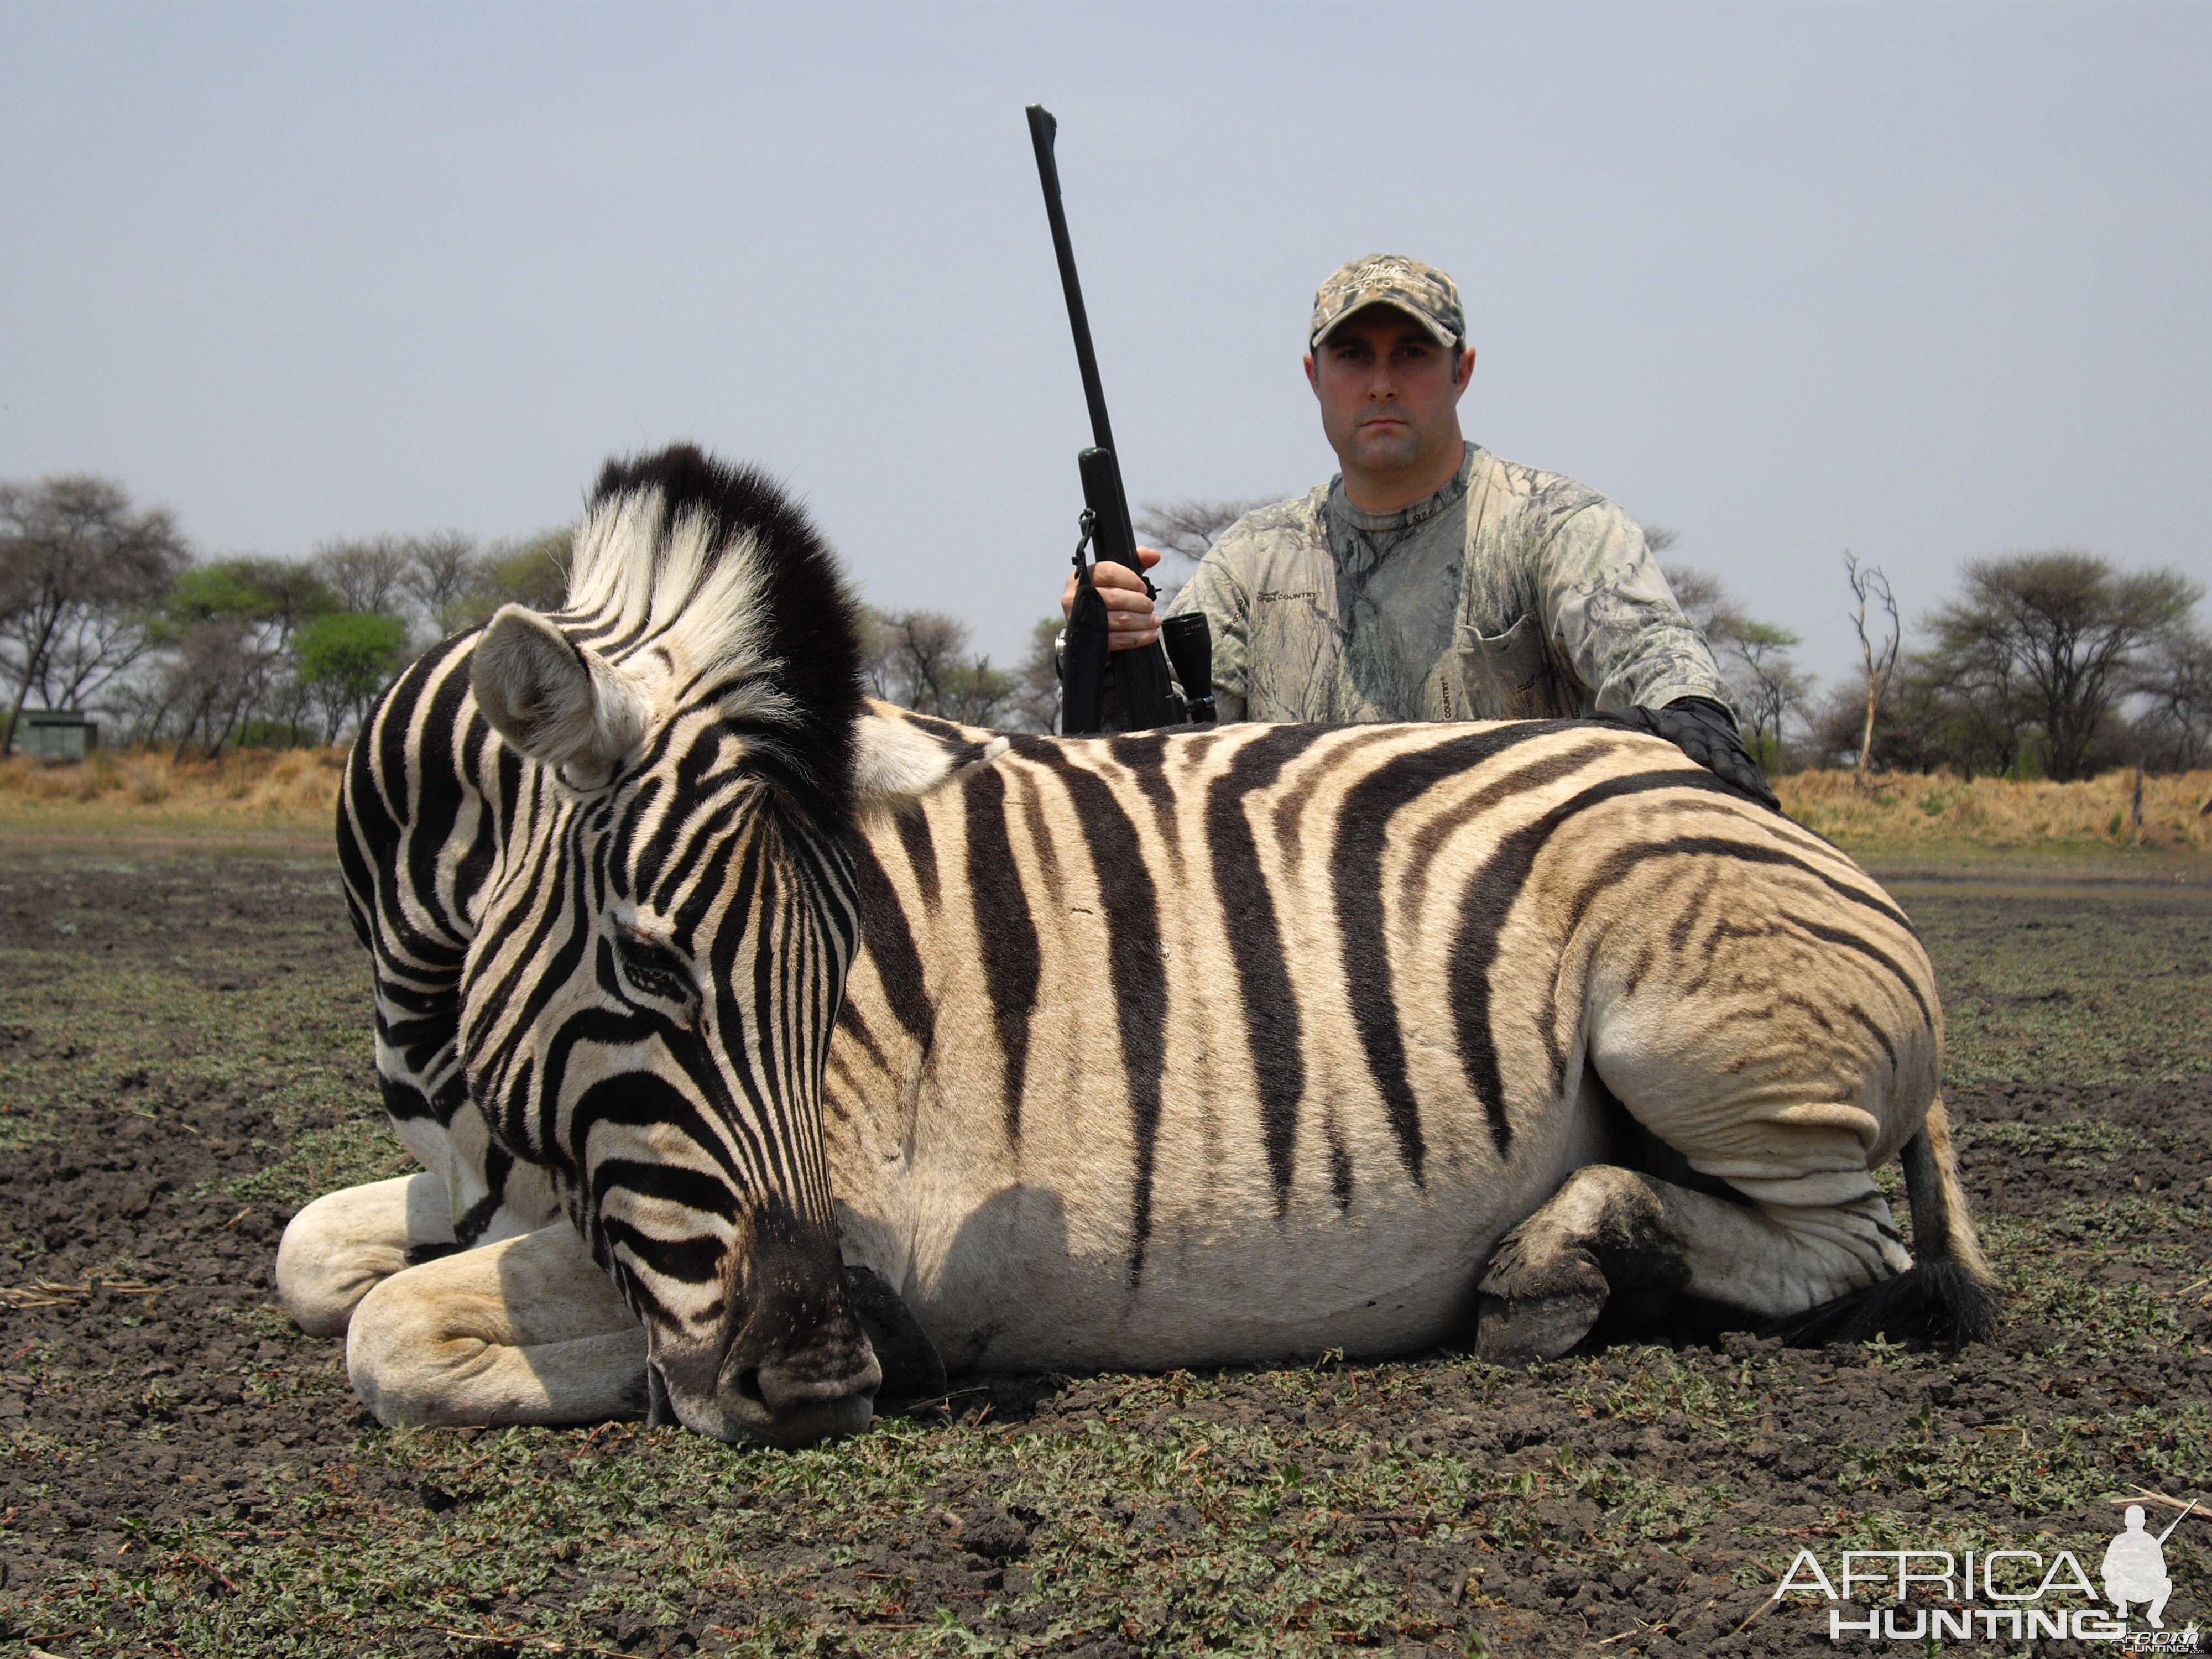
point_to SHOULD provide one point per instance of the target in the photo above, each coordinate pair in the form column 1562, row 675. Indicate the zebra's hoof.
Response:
column 659, row 1409
column 1522, row 1332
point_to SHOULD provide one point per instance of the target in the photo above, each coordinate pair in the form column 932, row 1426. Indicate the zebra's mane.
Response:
column 706, row 579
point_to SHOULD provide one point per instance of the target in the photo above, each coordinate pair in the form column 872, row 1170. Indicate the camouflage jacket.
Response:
column 1510, row 593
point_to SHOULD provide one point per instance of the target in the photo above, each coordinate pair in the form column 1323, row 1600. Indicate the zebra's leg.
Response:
column 345, row 1243
column 912, row 1367
column 527, row 1330
column 1610, row 1229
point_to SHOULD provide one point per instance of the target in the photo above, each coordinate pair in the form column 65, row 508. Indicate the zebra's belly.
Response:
column 1074, row 1261
column 1228, row 1294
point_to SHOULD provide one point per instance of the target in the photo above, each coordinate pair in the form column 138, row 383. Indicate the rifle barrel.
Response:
column 2177, row 1520
column 1042, row 128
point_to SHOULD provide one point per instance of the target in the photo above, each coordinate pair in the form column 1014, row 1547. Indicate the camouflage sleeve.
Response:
column 1214, row 590
column 1607, row 604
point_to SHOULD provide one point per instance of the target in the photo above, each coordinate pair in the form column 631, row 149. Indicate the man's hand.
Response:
column 1129, row 619
column 1704, row 731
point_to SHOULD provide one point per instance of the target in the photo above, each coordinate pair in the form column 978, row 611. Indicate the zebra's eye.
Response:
column 655, row 970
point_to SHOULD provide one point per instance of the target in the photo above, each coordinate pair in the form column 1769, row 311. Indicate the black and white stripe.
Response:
column 599, row 860
column 1276, row 989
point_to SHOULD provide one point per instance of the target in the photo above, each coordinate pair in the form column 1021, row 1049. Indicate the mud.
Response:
column 176, row 1391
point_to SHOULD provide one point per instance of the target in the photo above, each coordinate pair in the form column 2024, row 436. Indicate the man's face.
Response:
column 1389, row 393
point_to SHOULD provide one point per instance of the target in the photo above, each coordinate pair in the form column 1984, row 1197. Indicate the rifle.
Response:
column 1140, row 676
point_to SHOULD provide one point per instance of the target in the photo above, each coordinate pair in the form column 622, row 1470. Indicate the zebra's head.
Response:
column 664, row 941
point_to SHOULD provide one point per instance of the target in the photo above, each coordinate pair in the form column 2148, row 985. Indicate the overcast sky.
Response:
column 1921, row 281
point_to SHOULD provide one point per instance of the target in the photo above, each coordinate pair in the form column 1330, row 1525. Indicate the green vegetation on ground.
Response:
column 2114, row 988
column 1283, row 1511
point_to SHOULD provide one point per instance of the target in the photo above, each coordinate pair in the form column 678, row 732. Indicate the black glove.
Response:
column 1706, row 731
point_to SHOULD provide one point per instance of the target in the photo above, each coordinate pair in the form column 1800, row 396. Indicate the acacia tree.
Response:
column 1184, row 531
column 919, row 659
column 2068, row 633
column 2174, row 681
column 1967, row 686
column 1035, row 706
column 533, row 570
column 443, row 572
column 1767, row 686
column 1764, row 680
column 78, row 567
column 369, row 574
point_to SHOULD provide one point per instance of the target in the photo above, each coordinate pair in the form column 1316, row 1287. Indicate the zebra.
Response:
column 766, row 1046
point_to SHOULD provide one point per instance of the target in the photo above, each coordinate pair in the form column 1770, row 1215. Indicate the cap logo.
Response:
column 1422, row 292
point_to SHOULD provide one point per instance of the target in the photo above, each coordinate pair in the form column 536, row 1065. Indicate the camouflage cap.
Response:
column 1420, row 291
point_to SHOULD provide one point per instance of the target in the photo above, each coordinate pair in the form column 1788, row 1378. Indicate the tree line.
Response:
column 104, row 606
column 2053, row 665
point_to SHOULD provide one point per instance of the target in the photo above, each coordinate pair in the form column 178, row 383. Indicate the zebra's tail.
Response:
column 1949, row 1294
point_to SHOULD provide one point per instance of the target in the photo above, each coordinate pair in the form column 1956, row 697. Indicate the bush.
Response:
column 272, row 734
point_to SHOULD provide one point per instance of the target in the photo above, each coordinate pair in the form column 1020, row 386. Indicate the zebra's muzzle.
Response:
column 792, row 1367
column 793, row 1393
column 803, row 1414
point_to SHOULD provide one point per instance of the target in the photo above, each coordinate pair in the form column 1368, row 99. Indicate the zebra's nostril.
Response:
column 748, row 1385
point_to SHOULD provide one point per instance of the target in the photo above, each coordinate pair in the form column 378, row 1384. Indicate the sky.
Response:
column 1922, row 281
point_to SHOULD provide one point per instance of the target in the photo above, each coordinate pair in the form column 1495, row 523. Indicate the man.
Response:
column 1430, row 579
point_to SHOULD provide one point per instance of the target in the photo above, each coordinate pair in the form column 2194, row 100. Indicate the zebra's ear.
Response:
column 558, row 703
column 896, row 758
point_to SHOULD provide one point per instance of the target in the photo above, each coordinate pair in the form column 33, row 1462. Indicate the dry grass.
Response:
column 273, row 789
column 1917, row 807
column 297, row 789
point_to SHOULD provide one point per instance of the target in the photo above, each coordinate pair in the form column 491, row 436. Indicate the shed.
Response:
column 57, row 734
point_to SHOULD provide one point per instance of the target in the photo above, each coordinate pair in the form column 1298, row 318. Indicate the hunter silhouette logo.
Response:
column 2004, row 1595
column 2135, row 1567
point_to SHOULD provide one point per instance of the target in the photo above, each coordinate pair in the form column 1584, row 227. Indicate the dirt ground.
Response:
column 184, row 1058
